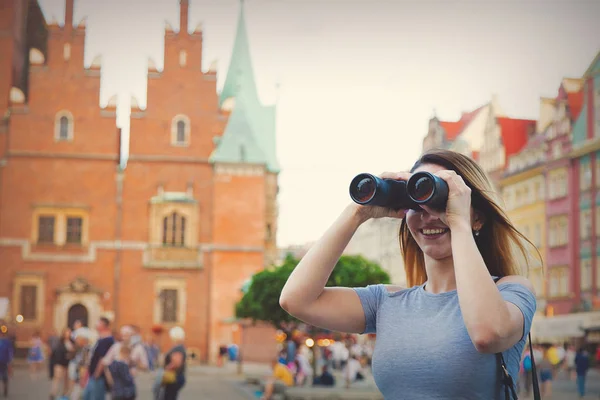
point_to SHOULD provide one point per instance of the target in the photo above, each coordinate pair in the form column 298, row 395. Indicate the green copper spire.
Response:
column 248, row 115
column 240, row 75
column 238, row 143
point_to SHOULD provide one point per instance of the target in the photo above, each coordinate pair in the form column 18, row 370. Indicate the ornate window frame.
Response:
column 178, row 284
column 26, row 279
column 60, row 214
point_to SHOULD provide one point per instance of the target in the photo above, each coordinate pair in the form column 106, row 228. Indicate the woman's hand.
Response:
column 458, row 208
column 367, row 212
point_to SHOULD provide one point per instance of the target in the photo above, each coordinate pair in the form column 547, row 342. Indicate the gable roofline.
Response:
column 594, row 63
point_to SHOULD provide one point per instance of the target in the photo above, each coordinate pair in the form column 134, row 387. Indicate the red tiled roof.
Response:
column 575, row 101
column 453, row 129
column 514, row 134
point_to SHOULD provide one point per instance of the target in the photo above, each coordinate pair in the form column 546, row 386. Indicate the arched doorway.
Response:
column 77, row 312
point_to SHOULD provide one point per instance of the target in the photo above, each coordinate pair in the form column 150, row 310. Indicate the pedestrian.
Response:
column 171, row 379
column 6, row 357
column 546, row 368
column 62, row 356
column 95, row 389
column 119, row 375
column 35, row 356
column 582, row 365
column 466, row 316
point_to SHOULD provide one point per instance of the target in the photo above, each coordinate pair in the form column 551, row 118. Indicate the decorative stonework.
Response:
column 239, row 169
column 16, row 96
column 91, row 253
column 96, row 62
column 152, row 65
column 36, row 57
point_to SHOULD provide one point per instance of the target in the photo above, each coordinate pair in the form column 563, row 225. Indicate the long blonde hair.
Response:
column 498, row 238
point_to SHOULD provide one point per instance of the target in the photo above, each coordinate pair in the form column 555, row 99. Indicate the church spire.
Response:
column 240, row 75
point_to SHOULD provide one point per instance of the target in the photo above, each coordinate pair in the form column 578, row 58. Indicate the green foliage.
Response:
column 260, row 302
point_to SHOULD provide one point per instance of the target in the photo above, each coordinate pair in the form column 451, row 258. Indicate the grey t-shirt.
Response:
column 423, row 350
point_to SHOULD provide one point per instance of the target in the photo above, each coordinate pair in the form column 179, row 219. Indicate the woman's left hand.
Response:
column 458, row 208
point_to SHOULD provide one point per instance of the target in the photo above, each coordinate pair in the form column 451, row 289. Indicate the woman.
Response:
column 171, row 379
column 35, row 357
column 438, row 338
column 61, row 357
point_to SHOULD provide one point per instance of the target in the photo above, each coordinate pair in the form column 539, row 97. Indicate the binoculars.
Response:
column 423, row 188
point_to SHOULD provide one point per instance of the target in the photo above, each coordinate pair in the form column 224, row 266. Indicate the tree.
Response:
column 260, row 301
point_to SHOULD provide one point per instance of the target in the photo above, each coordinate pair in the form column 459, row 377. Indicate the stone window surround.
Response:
column 185, row 119
column 26, row 279
column 161, row 210
column 57, row 118
column 178, row 284
column 60, row 224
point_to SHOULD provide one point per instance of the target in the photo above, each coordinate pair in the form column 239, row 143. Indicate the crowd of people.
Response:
column 552, row 360
column 299, row 365
column 89, row 364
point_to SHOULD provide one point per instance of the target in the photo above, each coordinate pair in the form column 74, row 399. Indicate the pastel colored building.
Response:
column 585, row 181
column 465, row 135
column 562, row 190
column 523, row 190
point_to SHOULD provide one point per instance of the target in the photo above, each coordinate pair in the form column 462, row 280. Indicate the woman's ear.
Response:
column 478, row 220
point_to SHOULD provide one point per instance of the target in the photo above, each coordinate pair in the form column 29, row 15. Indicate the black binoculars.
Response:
column 422, row 188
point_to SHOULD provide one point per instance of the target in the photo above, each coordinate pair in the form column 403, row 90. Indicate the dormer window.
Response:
column 63, row 126
column 180, row 131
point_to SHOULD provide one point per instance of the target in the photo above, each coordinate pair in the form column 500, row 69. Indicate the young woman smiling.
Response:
column 438, row 338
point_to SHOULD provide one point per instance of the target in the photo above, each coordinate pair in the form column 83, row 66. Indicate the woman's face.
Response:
column 431, row 234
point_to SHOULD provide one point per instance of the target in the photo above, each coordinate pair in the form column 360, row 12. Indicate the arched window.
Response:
column 174, row 230
column 180, row 131
column 63, row 126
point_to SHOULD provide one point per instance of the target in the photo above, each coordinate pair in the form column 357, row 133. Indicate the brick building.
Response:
column 166, row 237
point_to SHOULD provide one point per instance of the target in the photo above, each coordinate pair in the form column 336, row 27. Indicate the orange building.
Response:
column 166, row 237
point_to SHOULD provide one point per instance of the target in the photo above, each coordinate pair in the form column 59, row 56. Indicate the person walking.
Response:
column 582, row 365
column 6, row 357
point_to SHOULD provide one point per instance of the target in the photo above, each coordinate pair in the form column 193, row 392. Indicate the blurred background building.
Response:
column 165, row 235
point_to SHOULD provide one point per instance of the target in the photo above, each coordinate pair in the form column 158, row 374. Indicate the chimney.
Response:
column 184, row 6
column 69, row 14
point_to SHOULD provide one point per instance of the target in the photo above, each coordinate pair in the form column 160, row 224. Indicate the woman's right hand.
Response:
column 367, row 212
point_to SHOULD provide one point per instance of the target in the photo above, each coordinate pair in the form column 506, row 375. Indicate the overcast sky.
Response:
column 359, row 78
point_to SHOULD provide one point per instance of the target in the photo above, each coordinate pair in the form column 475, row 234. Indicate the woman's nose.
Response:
column 426, row 217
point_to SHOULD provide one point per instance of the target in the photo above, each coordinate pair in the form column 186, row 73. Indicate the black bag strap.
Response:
column 507, row 381
column 509, row 384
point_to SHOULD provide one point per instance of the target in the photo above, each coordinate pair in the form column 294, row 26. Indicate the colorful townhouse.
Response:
column 464, row 135
column 563, row 287
column 523, row 190
column 585, row 182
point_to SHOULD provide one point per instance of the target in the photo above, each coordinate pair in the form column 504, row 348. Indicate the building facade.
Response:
column 524, row 193
column 165, row 238
column 562, row 190
column 585, row 157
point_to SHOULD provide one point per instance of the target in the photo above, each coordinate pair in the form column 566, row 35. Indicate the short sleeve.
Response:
column 524, row 299
column 370, row 298
column 111, row 354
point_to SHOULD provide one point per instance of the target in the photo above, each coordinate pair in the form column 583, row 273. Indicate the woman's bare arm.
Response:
column 305, row 295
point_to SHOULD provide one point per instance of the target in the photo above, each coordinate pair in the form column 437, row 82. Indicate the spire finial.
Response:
column 184, row 6
column 69, row 5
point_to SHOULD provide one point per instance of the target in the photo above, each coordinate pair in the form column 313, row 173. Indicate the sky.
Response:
column 355, row 81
